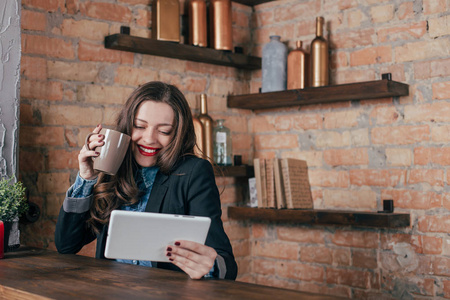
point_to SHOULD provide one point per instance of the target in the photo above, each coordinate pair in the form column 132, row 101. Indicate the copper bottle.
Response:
column 298, row 68
column 166, row 20
column 208, row 126
column 221, row 34
column 199, row 150
column 198, row 30
column 319, row 57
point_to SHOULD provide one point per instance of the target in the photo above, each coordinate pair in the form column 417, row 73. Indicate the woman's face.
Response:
column 152, row 131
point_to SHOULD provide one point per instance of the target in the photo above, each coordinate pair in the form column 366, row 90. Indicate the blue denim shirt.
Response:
column 145, row 178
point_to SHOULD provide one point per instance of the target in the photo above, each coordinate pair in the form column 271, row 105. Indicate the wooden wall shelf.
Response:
column 135, row 44
column 321, row 217
column 234, row 171
column 326, row 94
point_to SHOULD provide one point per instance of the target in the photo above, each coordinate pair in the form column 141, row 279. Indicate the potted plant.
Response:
column 13, row 204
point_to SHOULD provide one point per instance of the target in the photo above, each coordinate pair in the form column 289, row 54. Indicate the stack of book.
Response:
column 282, row 183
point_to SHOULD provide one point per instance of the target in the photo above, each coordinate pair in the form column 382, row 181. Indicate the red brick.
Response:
column 134, row 76
column 108, row 11
column 299, row 10
column 439, row 223
column 446, row 288
column 383, row 115
column 259, row 231
column 370, row 56
column 341, row 119
column 440, row 134
column 314, row 254
column 433, row 177
column 31, row 161
column 53, row 182
column 412, row 199
column 441, row 90
column 351, row 76
column 435, row 112
column 400, row 135
column 42, row 90
column 365, row 259
column 32, row 20
column 377, row 177
column 408, row 52
column 358, row 239
column 48, row 5
column 406, row 11
column 241, row 142
column 33, row 68
column 339, row 157
column 276, row 250
column 62, row 159
column 296, row 122
column 302, row 235
column 51, row 47
column 325, row 178
column 353, row 39
column 433, row 68
column 280, row 141
column 341, row 257
column 432, row 245
column 300, row 271
column 441, row 266
column 94, row 52
column 425, row 156
column 264, row 266
column 41, row 136
column 354, row 278
column 27, row 116
column 410, row 31
column 433, row 6
column 390, row 240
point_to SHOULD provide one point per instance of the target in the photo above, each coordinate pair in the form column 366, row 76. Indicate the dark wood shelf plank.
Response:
column 135, row 44
column 326, row 94
column 321, row 217
column 234, row 171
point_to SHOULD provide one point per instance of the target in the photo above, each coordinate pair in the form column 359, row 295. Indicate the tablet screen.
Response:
column 145, row 236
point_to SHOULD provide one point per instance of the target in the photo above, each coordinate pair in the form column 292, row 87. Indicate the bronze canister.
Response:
column 198, row 30
column 319, row 57
column 199, row 150
column 166, row 20
column 221, row 34
column 298, row 68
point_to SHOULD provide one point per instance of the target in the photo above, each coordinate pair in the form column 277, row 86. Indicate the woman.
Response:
column 159, row 174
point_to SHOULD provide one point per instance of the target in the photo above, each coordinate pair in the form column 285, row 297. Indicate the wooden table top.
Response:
column 44, row 274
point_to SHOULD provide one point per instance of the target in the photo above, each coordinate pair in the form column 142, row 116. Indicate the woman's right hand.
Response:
column 85, row 161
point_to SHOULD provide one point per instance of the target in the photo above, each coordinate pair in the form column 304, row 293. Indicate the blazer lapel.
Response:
column 158, row 192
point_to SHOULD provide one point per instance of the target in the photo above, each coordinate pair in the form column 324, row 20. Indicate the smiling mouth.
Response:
column 147, row 151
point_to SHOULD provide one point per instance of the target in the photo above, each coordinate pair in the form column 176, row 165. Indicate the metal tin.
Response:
column 207, row 128
column 221, row 34
column 198, row 30
column 166, row 20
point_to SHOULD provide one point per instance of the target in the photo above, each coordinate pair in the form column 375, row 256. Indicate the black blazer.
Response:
column 190, row 189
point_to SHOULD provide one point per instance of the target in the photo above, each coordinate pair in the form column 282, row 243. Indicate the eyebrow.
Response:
column 162, row 124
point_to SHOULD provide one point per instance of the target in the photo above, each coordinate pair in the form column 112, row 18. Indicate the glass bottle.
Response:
column 207, row 128
column 298, row 68
column 222, row 144
column 274, row 60
column 319, row 57
column 199, row 150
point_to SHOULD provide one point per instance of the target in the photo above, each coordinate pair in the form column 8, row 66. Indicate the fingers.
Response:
column 87, row 153
column 193, row 258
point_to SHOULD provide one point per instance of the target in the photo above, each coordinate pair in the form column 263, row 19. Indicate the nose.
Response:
column 149, row 135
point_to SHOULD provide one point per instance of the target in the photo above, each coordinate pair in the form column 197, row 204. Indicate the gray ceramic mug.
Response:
column 112, row 152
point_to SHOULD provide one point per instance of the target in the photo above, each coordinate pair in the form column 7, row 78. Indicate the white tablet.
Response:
column 145, row 236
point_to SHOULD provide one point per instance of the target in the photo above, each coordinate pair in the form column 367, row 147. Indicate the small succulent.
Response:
column 13, row 202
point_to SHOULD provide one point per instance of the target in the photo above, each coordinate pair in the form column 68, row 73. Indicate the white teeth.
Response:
column 147, row 150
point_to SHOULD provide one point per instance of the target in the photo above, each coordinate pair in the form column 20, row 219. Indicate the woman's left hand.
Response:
column 193, row 258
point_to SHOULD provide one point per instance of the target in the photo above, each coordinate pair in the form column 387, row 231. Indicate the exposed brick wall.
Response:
column 358, row 153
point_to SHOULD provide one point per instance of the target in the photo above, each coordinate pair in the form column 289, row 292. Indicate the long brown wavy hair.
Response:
column 111, row 192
